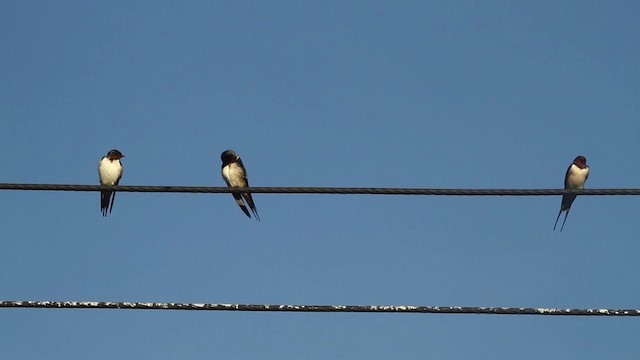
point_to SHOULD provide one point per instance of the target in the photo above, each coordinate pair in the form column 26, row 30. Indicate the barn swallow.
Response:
column 235, row 175
column 110, row 171
column 576, row 176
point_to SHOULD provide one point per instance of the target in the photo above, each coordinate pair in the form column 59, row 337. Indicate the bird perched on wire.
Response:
column 235, row 175
column 110, row 171
column 576, row 176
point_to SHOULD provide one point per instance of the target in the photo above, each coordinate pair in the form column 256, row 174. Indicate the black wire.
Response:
column 318, row 308
column 321, row 190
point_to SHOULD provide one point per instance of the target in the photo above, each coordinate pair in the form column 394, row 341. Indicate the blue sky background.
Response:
column 457, row 94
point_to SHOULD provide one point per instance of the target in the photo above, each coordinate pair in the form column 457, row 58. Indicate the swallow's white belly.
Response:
column 109, row 171
column 234, row 175
column 577, row 177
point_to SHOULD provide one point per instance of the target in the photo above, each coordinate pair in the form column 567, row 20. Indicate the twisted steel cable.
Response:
column 318, row 308
column 321, row 190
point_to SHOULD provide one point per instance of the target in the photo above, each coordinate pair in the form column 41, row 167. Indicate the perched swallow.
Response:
column 235, row 175
column 110, row 171
column 576, row 176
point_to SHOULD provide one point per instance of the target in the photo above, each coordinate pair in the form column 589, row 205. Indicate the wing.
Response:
column 249, row 200
column 238, row 198
column 566, row 177
column 247, row 196
column 236, row 195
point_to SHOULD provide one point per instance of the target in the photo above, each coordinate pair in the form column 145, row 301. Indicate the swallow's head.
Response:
column 229, row 156
column 580, row 162
column 114, row 154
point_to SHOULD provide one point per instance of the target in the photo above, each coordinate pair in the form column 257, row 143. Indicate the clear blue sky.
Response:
column 457, row 94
